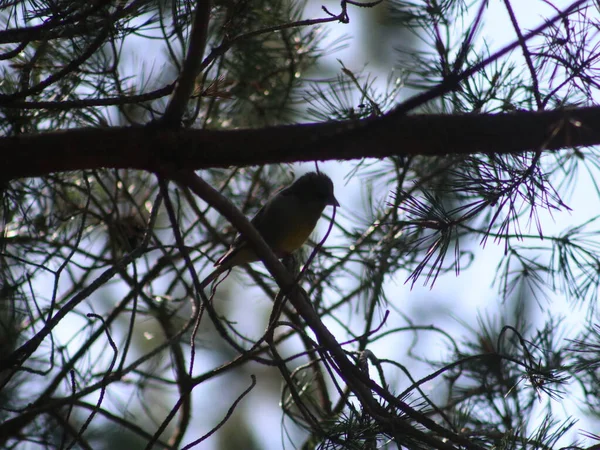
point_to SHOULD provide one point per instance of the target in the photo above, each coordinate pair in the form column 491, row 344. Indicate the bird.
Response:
column 285, row 221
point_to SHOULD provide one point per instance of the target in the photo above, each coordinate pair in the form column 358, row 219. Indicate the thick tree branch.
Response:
column 156, row 149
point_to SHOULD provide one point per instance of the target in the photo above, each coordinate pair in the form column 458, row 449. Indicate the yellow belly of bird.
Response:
column 293, row 241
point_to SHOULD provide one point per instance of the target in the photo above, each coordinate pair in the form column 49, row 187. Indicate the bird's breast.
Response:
column 298, row 230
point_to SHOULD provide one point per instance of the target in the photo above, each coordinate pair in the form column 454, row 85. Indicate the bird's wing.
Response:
column 240, row 242
column 258, row 221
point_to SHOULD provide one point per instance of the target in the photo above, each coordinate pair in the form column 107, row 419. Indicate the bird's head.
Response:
column 313, row 187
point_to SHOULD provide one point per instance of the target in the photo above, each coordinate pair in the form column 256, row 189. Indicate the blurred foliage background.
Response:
column 106, row 340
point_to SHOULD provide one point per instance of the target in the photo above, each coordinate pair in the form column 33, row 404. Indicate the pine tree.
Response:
column 138, row 136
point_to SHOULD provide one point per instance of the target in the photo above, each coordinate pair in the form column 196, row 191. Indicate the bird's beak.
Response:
column 333, row 201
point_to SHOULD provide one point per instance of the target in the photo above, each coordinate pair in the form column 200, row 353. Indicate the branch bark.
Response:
column 155, row 148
